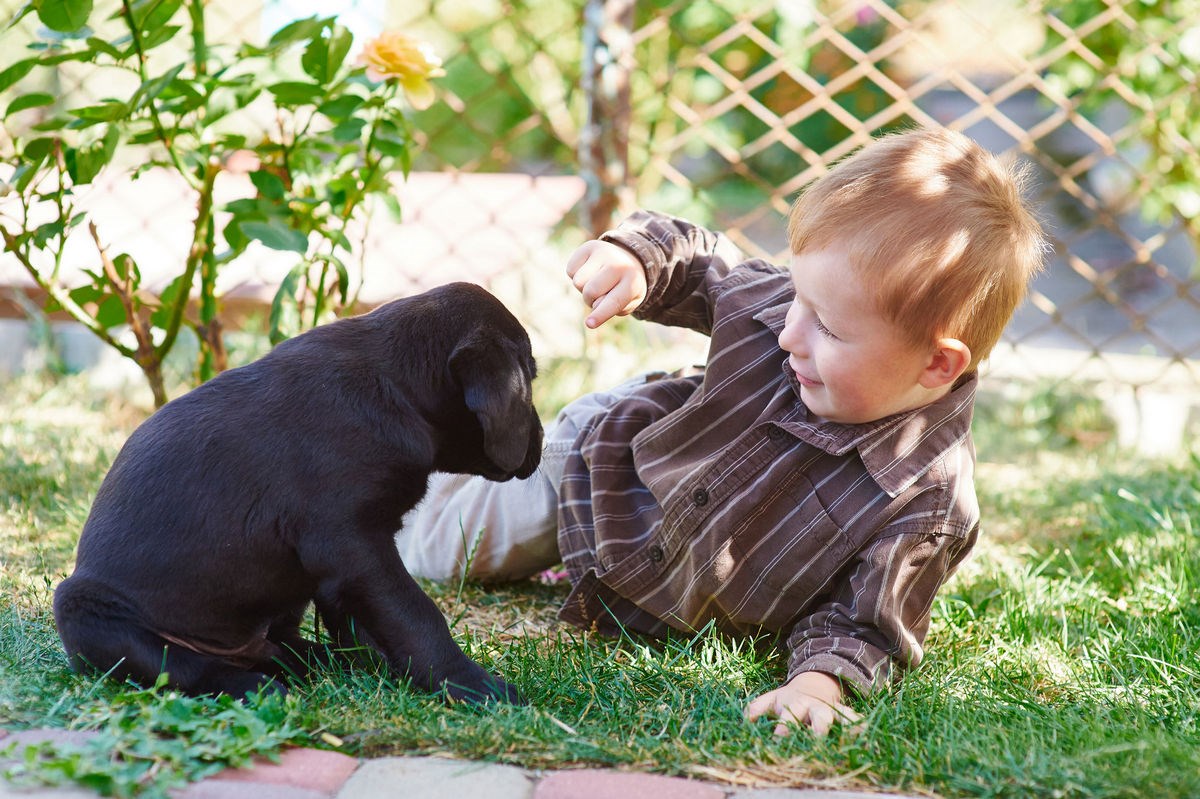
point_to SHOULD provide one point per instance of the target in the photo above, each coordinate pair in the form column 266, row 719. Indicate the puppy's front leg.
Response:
column 367, row 589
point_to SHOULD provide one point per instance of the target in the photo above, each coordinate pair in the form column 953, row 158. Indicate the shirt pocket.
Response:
column 788, row 551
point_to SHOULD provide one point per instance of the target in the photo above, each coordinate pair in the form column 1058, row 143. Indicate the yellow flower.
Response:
column 397, row 56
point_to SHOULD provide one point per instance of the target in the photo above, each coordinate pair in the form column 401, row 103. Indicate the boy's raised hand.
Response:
column 810, row 698
column 611, row 279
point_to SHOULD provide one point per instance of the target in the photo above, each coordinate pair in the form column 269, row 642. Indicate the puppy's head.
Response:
column 494, row 367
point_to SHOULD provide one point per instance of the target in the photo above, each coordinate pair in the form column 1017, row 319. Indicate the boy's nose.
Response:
column 791, row 341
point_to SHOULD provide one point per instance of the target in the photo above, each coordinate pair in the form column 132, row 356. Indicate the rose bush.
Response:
column 320, row 167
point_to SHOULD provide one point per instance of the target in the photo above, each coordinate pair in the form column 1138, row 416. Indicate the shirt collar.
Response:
column 896, row 450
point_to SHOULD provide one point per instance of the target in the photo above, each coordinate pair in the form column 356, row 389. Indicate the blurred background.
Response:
column 557, row 117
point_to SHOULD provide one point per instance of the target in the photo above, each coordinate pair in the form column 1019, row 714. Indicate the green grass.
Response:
column 1062, row 659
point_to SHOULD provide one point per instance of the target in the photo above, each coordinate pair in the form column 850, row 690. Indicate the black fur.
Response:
column 283, row 482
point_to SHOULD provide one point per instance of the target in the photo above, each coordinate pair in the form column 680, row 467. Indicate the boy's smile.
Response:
column 852, row 364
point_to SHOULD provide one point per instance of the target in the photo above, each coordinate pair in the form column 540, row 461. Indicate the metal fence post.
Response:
column 604, row 141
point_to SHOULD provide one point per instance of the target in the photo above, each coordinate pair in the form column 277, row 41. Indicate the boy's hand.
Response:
column 610, row 278
column 810, row 698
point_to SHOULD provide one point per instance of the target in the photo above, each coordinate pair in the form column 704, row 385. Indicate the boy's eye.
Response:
column 824, row 331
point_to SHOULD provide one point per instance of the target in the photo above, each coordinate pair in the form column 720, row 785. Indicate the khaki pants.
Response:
column 507, row 531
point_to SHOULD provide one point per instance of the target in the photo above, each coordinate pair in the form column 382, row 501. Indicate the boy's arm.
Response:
column 876, row 616
column 679, row 264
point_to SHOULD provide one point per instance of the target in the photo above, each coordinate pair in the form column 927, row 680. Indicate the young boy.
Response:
column 816, row 479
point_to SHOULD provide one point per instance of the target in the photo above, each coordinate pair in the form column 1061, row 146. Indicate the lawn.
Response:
column 1062, row 659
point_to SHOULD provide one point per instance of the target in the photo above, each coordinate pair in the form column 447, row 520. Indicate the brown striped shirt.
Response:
column 718, row 499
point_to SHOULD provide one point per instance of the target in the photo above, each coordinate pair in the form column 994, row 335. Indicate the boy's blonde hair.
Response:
column 936, row 226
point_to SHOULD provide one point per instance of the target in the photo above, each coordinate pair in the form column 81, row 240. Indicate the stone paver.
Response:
column 303, row 773
column 8, row 791
column 436, row 778
column 598, row 784
column 23, row 738
column 225, row 789
column 316, row 769
column 809, row 793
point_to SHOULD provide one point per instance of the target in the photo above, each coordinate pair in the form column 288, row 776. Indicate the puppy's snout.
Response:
column 533, row 456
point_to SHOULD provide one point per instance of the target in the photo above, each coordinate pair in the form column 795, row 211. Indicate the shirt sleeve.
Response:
column 684, row 263
column 877, row 616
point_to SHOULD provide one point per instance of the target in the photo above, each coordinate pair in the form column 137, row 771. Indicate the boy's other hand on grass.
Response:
column 611, row 279
column 811, row 698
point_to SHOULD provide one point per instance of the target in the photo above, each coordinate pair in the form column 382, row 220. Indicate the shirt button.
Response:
column 775, row 433
column 656, row 553
column 700, row 497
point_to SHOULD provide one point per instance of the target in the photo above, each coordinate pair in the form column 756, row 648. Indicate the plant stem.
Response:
column 199, row 37
column 146, row 357
column 60, row 295
column 200, row 250
column 212, row 345
column 168, row 141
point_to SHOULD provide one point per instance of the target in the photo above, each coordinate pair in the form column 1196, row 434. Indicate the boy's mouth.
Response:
column 807, row 382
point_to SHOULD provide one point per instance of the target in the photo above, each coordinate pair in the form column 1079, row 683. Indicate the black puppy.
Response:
column 283, row 482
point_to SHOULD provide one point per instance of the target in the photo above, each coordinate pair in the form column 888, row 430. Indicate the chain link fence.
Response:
column 554, row 118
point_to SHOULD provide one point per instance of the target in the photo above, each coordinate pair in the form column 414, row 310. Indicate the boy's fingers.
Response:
column 757, row 706
column 578, row 258
column 789, row 721
column 820, row 719
column 583, row 275
column 604, row 308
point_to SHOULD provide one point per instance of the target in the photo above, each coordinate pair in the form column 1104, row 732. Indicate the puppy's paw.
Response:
column 489, row 689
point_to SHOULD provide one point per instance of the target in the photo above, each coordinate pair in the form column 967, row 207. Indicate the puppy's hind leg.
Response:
column 101, row 633
column 297, row 654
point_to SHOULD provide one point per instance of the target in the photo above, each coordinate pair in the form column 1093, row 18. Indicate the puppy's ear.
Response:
column 497, row 391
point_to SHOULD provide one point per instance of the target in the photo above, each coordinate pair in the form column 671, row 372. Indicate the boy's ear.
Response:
column 949, row 360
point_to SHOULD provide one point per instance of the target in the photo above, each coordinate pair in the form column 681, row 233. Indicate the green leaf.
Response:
column 14, row 72
column 65, row 56
column 53, row 123
column 341, row 107
column 25, row 172
column 126, row 267
column 152, row 88
column 277, row 235
column 46, row 232
column 86, row 294
column 350, row 130
column 343, row 282
column 285, row 307
column 292, row 93
column 21, row 13
column 392, row 203
column 299, row 30
column 108, row 48
column 26, row 101
column 325, row 53
column 269, row 185
column 161, row 317
column 151, row 15
column 64, row 16
column 38, row 149
column 158, row 36
column 84, row 163
column 105, row 111
column 111, row 312
column 23, row 175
